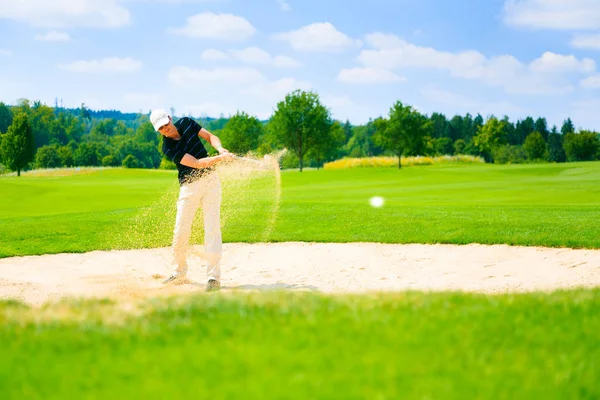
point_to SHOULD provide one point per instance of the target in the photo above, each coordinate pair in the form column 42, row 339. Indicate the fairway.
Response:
column 556, row 205
column 305, row 346
column 325, row 200
column 262, row 342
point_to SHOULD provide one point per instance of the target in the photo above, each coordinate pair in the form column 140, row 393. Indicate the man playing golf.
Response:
column 199, row 185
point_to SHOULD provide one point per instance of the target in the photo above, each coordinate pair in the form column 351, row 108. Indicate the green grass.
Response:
column 306, row 346
column 545, row 204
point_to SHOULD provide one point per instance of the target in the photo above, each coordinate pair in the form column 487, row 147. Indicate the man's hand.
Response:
column 222, row 150
column 225, row 156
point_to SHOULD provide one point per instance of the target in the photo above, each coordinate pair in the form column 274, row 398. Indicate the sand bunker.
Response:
column 329, row 268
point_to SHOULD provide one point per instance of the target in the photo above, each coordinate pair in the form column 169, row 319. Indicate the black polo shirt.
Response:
column 189, row 143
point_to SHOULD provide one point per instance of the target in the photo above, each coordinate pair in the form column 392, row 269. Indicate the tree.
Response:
column 327, row 143
column 510, row 131
column 459, row 146
column 509, row 154
column 456, row 129
column 298, row 120
column 471, row 149
column 58, row 130
column 535, row 146
column 362, row 144
column 490, row 135
column 17, row 147
column 444, row 146
column 404, row 132
column 541, row 126
column 131, row 162
column 42, row 120
column 567, row 127
column 89, row 154
column 469, row 129
column 146, row 133
column 440, row 126
column 581, row 146
column 241, row 133
column 47, row 157
column 347, row 131
column 66, row 127
column 23, row 106
column 556, row 152
column 110, row 161
column 6, row 118
column 86, row 116
column 66, row 156
column 147, row 154
column 523, row 129
column 478, row 123
column 104, row 128
column 122, row 130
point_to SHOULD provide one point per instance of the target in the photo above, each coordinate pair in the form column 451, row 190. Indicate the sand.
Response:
column 327, row 268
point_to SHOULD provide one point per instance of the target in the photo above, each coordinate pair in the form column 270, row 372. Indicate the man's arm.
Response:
column 213, row 140
column 190, row 161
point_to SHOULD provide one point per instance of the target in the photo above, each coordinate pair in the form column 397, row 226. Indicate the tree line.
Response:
column 34, row 135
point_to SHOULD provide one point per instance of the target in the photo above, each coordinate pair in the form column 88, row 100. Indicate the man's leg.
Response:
column 187, row 205
column 211, row 206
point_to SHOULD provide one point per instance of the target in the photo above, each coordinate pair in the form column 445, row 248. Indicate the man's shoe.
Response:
column 175, row 279
column 213, row 285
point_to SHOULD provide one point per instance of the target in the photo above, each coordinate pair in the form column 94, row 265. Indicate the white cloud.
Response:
column 226, row 90
column 54, row 36
column 209, row 109
column 134, row 102
column 213, row 55
column 273, row 91
column 586, row 42
column 337, row 101
column 544, row 76
column 584, row 113
column 455, row 103
column 112, row 64
column 319, row 37
column 553, row 14
column 66, row 13
column 173, row 1
column 593, row 82
column 286, row 62
column 208, row 25
column 551, row 62
column 393, row 52
column 368, row 75
column 382, row 41
column 344, row 108
column 202, row 78
column 254, row 55
column 284, row 5
column 257, row 99
column 5, row 52
column 93, row 103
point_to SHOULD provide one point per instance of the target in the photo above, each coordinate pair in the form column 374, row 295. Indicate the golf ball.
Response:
column 376, row 201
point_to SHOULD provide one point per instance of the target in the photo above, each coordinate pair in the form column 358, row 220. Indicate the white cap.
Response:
column 159, row 118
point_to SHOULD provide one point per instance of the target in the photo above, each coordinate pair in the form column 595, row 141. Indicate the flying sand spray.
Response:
column 251, row 193
column 245, row 180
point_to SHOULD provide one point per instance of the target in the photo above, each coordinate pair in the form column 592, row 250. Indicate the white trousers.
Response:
column 206, row 192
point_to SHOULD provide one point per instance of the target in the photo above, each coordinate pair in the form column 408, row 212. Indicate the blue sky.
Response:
column 207, row 57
